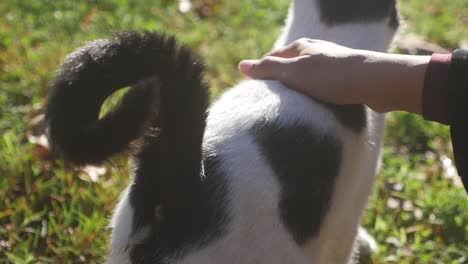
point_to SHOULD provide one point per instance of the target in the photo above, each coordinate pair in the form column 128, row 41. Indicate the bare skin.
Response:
column 341, row 75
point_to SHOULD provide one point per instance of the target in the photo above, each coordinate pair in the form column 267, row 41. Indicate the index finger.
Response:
column 293, row 49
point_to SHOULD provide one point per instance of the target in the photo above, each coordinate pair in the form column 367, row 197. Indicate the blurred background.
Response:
column 52, row 212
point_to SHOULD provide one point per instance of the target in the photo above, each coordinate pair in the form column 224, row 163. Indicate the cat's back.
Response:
column 254, row 103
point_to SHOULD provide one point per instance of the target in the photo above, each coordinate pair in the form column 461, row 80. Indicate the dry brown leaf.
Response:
column 185, row 6
column 92, row 173
column 393, row 203
column 450, row 171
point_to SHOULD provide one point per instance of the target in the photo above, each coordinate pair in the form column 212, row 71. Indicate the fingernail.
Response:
column 246, row 66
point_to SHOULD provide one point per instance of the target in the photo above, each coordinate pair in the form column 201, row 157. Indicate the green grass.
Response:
column 49, row 214
column 441, row 21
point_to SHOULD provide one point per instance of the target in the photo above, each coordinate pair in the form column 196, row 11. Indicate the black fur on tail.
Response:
column 168, row 91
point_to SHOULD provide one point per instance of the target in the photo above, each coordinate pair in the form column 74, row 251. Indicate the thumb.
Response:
column 274, row 68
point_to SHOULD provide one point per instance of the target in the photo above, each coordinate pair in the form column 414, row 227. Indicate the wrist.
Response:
column 435, row 95
column 409, row 93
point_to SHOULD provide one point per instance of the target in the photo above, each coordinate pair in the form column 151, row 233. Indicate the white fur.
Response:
column 255, row 233
column 304, row 22
column 121, row 225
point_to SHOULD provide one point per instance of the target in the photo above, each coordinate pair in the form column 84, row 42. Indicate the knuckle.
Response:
column 298, row 43
column 264, row 61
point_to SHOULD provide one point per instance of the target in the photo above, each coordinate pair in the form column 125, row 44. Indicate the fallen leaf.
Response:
column 418, row 213
column 185, row 6
column 37, row 136
column 92, row 173
column 408, row 206
column 394, row 241
column 39, row 140
column 6, row 213
column 450, row 171
column 393, row 203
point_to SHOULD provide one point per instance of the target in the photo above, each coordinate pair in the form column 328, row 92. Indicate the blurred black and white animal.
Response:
column 265, row 175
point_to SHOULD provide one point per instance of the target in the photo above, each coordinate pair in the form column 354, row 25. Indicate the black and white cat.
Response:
column 267, row 175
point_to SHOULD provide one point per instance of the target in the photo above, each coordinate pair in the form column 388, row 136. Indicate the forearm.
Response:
column 395, row 82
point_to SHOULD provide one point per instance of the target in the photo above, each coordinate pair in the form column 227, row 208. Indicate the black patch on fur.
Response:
column 199, row 220
column 307, row 164
column 345, row 11
column 350, row 116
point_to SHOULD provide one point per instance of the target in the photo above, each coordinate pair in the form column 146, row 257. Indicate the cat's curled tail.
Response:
column 168, row 93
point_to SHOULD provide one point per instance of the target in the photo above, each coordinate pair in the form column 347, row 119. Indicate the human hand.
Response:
column 320, row 69
column 336, row 74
